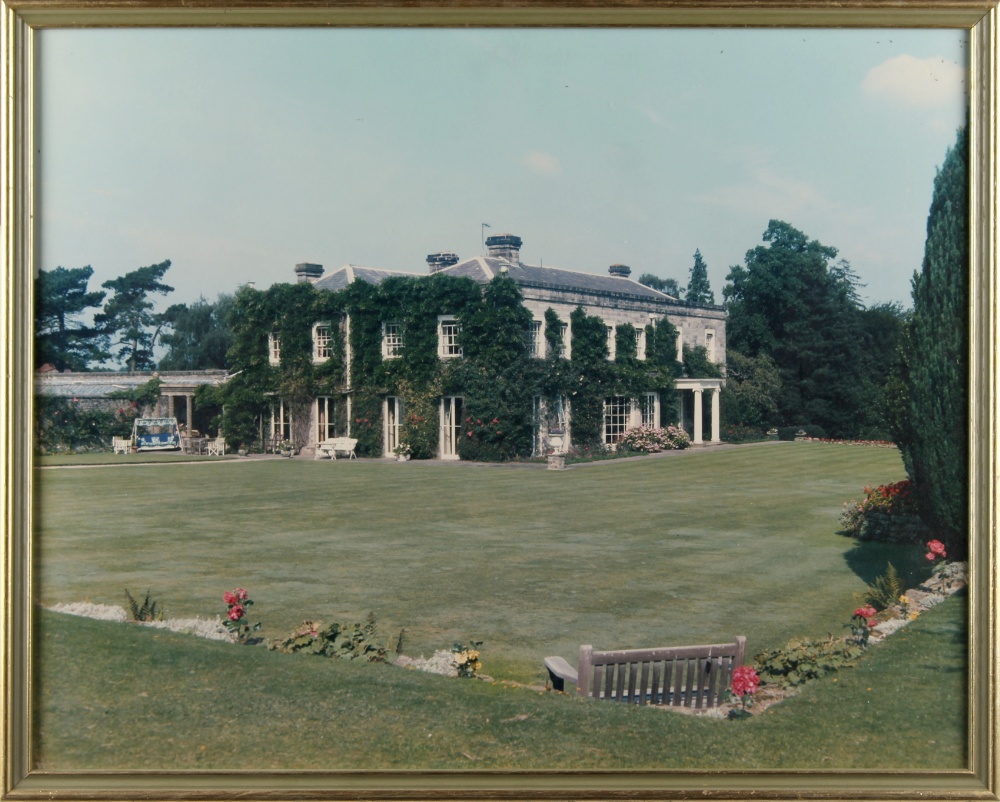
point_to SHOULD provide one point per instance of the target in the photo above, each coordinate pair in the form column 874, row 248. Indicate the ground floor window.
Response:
column 617, row 418
column 281, row 421
column 649, row 406
column 326, row 418
column 451, row 426
column 392, row 417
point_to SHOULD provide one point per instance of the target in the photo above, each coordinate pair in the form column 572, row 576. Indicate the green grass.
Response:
column 109, row 458
column 116, row 696
column 693, row 547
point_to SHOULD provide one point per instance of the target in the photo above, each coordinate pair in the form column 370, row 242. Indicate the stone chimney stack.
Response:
column 504, row 246
column 622, row 271
column 439, row 261
column 306, row 271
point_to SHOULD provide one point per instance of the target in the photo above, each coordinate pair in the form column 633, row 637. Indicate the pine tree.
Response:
column 698, row 290
column 61, row 296
column 936, row 362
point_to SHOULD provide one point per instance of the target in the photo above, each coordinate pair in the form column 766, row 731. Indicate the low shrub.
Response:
column 886, row 513
column 650, row 440
column 740, row 433
column 803, row 660
column 346, row 641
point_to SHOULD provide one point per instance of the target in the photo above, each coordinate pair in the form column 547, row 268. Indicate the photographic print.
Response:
column 455, row 402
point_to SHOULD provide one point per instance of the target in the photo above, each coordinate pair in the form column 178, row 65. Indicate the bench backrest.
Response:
column 683, row 676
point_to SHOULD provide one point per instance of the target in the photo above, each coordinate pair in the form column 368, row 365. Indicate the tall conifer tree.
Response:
column 936, row 356
column 698, row 290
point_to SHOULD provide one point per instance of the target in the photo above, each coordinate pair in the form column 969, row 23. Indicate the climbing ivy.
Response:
column 496, row 376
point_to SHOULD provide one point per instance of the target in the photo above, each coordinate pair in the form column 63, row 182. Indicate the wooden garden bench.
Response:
column 121, row 445
column 679, row 676
column 336, row 445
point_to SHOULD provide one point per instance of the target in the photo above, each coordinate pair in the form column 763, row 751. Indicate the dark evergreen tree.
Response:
column 128, row 316
column 698, row 290
column 61, row 339
column 793, row 303
column 935, row 373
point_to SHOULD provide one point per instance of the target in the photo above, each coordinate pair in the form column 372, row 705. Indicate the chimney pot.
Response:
column 306, row 271
column 504, row 246
column 439, row 261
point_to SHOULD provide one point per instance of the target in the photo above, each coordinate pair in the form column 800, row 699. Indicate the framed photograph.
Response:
column 393, row 150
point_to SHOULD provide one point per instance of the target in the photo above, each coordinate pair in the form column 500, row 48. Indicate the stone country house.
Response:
column 615, row 298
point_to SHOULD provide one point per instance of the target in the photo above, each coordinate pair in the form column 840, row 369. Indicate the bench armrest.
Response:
column 560, row 672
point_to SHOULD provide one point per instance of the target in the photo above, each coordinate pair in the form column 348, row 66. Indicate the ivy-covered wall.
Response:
column 496, row 377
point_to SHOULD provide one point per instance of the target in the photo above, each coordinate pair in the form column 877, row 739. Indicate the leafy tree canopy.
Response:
column 665, row 285
column 200, row 335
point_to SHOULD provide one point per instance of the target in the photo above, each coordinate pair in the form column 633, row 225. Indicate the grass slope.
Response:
column 117, row 696
column 692, row 547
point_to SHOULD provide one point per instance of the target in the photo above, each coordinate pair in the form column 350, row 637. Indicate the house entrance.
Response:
column 451, row 426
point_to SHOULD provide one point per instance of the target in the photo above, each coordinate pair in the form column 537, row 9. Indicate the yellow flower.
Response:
column 472, row 654
column 914, row 615
column 904, row 599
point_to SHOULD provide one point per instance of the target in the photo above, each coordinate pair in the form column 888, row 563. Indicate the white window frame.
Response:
column 618, row 411
column 640, row 342
column 392, row 421
column 450, row 427
column 536, row 339
column 680, row 343
column 710, row 344
column 449, row 331
column 326, row 418
column 274, row 348
column 321, row 338
column 392, row 340
column 612, row 342
column 649, row 410
column 567, row 339
column 281, row 420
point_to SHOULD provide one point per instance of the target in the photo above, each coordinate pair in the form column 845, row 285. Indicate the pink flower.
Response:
column 930, row 556
column 865, row 612
column 936, row 547
column 229, row 597
column 745, row 680
column 236, row 612
column 241, row 594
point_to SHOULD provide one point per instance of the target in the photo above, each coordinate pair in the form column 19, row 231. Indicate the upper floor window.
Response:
column 611, row 342
column 640, row 343
column 321, row 342
column 710, row 345
column 392, row 340
column 564, row 335
column 448, row 331
column 536, row 342
column 274, row 348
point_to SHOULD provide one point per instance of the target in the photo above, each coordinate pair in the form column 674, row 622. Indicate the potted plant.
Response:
column 286, row 448
column 402, row 452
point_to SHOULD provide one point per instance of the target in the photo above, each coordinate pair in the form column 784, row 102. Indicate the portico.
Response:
column 697, row 389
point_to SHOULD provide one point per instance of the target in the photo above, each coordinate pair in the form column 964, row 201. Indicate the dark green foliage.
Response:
column 699, row 291
column 346, row 641
column 60, row 338
column 792, row 302
column 804, row 660
column 128, row 316
column 146, row 610
column 753, row 385
column 199, row 336
column 665, row 285
column 698, row 365
column 933, row 434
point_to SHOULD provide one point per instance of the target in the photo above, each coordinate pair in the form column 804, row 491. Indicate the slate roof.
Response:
column 340, row 278
column 483, row 268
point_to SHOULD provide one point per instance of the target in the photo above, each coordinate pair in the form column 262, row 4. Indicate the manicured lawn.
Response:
column 116, row 696
column 693, row 547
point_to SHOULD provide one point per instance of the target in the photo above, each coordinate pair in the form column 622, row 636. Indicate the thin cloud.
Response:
column 764, row 189
column 543, row 163
column 926, row 83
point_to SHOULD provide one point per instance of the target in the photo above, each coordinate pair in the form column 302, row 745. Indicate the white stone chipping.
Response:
column 213, row 628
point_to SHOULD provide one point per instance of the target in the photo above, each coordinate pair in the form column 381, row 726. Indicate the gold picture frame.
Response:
column 22, row 18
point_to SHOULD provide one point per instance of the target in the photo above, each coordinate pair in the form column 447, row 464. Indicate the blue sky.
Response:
column 238, row 153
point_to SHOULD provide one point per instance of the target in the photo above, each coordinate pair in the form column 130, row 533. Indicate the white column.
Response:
column 696, row 437
column 716, row 434
column 189, row 399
